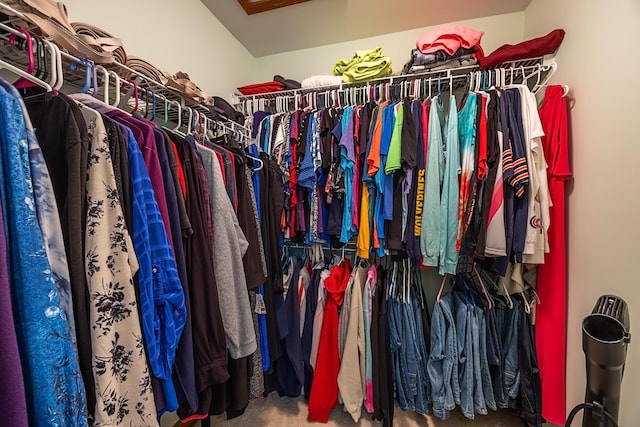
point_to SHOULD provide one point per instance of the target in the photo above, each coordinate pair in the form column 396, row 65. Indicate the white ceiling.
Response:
column 320, row 22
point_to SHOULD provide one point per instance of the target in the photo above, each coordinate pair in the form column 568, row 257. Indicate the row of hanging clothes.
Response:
column 404, row 176
column 456, row 183
column 129, row 250
column 362, row 335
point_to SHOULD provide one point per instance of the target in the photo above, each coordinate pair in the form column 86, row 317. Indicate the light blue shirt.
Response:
column 450, row 199
column 430, row 232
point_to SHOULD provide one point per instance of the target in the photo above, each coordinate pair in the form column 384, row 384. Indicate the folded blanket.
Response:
column 533, row 48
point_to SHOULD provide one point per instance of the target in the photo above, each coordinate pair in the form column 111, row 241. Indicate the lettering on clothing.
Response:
column 417, row 229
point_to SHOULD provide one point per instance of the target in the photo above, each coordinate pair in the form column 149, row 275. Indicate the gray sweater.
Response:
column 229, row 246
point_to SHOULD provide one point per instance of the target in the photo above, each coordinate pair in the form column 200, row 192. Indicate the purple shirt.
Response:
column 14, row 402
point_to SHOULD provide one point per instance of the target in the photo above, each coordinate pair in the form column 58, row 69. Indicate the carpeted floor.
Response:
column 286, row 412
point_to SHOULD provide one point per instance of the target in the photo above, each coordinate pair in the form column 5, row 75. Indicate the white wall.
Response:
column 299, row 64
column 598, row 60
column 174, row 36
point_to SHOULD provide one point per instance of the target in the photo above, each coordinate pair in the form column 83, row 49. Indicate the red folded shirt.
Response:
column 449, row 38
column 528, row 49
column 257, row 88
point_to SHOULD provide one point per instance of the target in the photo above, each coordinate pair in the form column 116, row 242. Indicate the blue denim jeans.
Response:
column 465, row 354
column 395, row 333
column 423, row 389
column 443, row 359
column 485, row 371
column 510, row 336
column 480, row 405
column 494, row 353
column 410, row 354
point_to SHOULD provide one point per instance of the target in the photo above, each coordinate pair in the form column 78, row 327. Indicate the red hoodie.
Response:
column 324, row 389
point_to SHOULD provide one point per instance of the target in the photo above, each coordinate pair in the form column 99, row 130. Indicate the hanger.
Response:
column 484, row 290
column 527, row 306
column 59, row 72
column 551, row 68
column 505, row 297
column 117, row 87
column 22, row 82
column 506, row 294
column 29, row 40
column 153, row 105
column 94, row 78
column 190, row 122
column 26, row 75
column 135, row 94
column 177, row 104
column 444, row 279
column 105, row 77
column 41, row 61
column 166, row 110
column 87, row 80
column 56, row 63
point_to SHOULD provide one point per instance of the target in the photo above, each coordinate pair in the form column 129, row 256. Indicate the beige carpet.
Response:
column 286, row 412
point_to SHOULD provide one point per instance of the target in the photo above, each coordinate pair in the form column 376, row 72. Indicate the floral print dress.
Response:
column 123, row 382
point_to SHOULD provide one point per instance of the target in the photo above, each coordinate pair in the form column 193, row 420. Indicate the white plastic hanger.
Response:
column 17, row 71
column 105, row 77
column 56, row 63
column 116, row 78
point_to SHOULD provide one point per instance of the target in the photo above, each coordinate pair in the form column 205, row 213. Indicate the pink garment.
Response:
column 449, row 38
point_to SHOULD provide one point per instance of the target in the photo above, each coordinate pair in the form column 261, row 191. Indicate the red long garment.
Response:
column 324, row 389
column 551, row 315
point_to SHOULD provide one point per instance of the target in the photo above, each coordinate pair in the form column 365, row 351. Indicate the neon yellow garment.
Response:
column 393, row 158
column 364, row 65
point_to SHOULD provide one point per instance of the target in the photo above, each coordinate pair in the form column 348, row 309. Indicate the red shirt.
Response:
column 324, row 389
column 551, row 315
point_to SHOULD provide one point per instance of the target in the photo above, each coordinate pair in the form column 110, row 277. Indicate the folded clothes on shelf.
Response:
column 364, row 65
column 532, row 48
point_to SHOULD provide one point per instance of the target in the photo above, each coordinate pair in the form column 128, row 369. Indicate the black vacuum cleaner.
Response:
column 605, row 337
